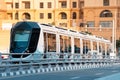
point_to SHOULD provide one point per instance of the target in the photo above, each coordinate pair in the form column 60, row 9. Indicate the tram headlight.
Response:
column 27, row 51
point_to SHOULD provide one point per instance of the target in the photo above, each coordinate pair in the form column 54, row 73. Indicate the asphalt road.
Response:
column 87, row 74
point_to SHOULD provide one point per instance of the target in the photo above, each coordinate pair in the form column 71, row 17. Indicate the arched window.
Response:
column 74, row 15
column 26, row 16
column 16, row 15
column 63, row 15
column 106, row 13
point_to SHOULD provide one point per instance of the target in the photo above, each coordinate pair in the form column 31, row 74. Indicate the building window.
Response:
column 81, row 4
column 74, row 15
column 41, row 5
column 26, row 4
column 81, row 15
column 74, row 4
column 63, row 15
column 90, row 24
column 10, row 17
column 49, row 15
column 41, row 15
column 16, row 15
column 63, row 24
column 106, row 23
column 76, row 45
column 17, row 5
column 49, row 5
column 26, row 16
column 64, row 4
column 106, row 13
column 106, row 2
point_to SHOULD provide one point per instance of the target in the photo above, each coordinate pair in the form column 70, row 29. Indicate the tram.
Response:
column 32, row 39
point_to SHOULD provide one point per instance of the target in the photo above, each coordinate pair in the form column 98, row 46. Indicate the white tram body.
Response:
column 35, row 40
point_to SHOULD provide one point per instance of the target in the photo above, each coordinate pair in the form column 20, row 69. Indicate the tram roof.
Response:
column 75, row 33
column 36, row 25
column 27, row 24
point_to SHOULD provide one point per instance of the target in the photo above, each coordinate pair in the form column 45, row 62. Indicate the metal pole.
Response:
column 113, row 37
column 115, row 32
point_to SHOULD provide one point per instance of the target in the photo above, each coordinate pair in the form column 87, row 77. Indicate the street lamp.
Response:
column 113, row 54
column 114, row 36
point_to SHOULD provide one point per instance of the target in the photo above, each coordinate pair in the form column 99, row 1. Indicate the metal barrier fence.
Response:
column 54, row 57
column 51, row 62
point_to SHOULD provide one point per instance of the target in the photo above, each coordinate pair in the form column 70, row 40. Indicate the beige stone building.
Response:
column 3, row 16
column 65, row 13
column 99, row 17
column 2, row 11
column 94, row 16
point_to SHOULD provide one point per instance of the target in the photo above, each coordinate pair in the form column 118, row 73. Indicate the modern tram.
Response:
column 33, row 40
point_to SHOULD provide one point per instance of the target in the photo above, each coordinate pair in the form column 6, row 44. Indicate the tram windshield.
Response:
column 21, row 36
column 21, row 39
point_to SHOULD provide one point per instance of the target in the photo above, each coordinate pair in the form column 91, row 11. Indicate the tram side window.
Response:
column 86, row 46
column 95, row 46
column 100, row 48
column 76, row 45
column 65, row 44
column 49, row 42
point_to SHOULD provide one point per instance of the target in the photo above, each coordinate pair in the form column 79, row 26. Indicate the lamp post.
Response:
column 113, row 53
column 115, row 25
column 114, row 36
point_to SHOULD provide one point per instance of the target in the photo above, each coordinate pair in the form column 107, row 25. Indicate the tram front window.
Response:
column 21, row 40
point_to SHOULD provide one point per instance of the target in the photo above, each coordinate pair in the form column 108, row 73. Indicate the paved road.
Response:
column 88, row 74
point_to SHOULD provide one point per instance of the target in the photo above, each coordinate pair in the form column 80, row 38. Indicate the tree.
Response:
column 118, row 46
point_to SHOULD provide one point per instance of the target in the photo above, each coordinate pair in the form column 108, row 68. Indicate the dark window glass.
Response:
column 106, row 23
column 49, row 15
column 41, row 5
column 17, row 5
column 64, row 4
column 74, row 4
column 49, row 42
column 106, row 13
column 63, row 16
column 90, row 24
column 16, row 16
column 106, row 2
column 49, row 5
column 74, row 15
column 65, row 44
column 41, row 15
column 27, row 5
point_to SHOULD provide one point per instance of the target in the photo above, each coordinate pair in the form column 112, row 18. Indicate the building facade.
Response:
column 65, row 13
column 3, row 11
column 102, row 17
column 95, row 16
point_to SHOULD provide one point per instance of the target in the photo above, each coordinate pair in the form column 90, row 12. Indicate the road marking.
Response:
column 114, row 71
column 75, row 77
column 98, row 73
